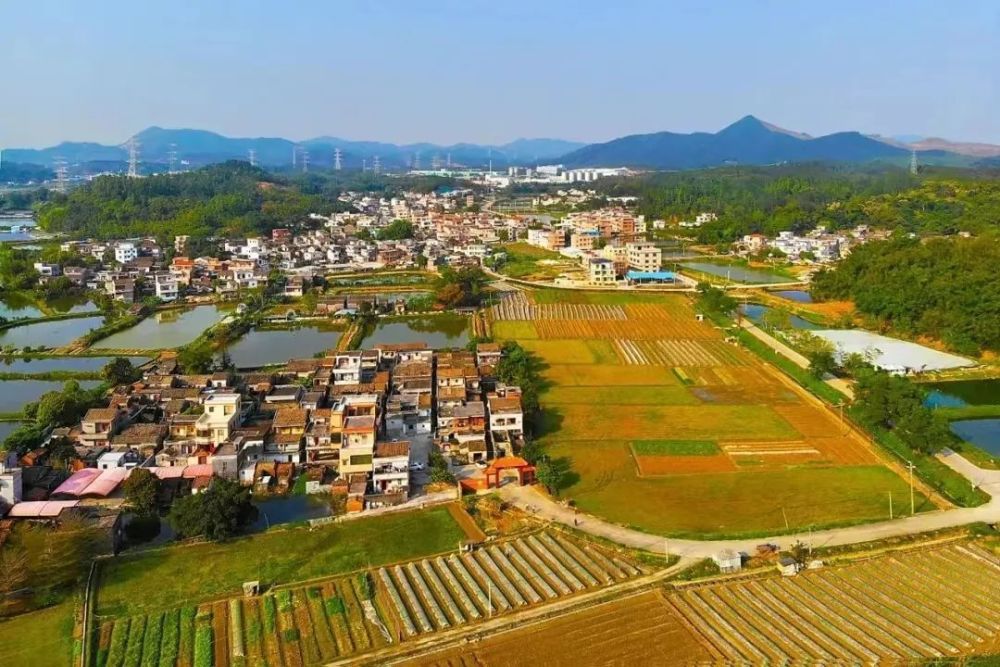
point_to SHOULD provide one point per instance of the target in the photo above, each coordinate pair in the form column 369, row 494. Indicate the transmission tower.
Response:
column 172, row 157
column 295, row 156
column 133, row 157
column 416, row 161
column 305, row 159
column 376, row 164
column 364, row 164
column 436, row 162
column 913, row 162
column 62, row 175
column 336, row 159
column 253, row 157
column 448, row 161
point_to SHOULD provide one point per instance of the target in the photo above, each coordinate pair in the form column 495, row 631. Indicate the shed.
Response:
column 788, row 566
column 728, row 561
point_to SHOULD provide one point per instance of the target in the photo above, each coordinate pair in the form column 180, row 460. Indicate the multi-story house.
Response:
column 99, row 425
column 391, row 467
column 357, row 445
column 221, row 416
column 643, row 256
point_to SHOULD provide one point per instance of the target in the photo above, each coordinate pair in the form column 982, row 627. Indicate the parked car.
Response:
column 416, row 466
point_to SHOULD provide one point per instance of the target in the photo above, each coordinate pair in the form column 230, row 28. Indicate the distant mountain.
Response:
column 962, row 148
column 747, row 141
column 200, row 147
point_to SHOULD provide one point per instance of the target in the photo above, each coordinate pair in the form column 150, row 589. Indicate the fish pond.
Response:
column 49, row 334
column 50, row 364
column 266, row 345
column 737, row 273
column 756, row 313
column 165, row 329
column 961, row 393
column 15, row 393
column 437, row 331
column 796, row 295
column 983, row 433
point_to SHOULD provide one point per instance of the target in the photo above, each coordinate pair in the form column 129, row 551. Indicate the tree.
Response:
column 141, row 489
column 222, row 511
column 532, row 452
column 119, row 371
column 196, row 357
column 396, row 231
column 549, row 476
column 777, row 318
column 714, row 300
column 309, row 302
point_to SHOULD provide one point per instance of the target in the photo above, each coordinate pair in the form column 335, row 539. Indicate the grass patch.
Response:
column 157, row 579
column 618, row 396
column 514, row 330
column 730, row 504
column 674, row 422
column 42, row 638
column 334, row 606
column 969, row 412
column 675, row 448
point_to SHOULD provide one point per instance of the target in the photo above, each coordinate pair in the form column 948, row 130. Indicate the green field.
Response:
column 648, row 395
column 530, row 262
column 167, row 577
column 730, row 503
column 675, row 448
column 41, row 638
column 521, row 331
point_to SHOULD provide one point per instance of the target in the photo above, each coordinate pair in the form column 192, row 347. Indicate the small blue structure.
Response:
column 642, row 277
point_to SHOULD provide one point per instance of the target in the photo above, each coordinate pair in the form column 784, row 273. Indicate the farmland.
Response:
column 42, row 638
column 621, row 368
column 155, row 580
column 353, row 615
column 901, row 607
column 937, row 602
column 638, row 630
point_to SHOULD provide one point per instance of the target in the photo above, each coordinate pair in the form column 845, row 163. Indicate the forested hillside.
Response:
column 799, row 197
column 231, row 199
column 946, row 288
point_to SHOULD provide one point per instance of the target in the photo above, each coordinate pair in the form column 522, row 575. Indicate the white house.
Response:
column 126, row 252
column 166, row 286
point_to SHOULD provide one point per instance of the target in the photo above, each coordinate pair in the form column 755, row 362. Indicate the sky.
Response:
column 449, row 71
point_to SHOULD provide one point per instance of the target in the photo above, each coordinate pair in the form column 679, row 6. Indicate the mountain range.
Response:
column 748, row 141
column 752, row 141
column 199, row 147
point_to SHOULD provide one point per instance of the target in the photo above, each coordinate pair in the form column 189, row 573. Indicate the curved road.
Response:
column 533, row 501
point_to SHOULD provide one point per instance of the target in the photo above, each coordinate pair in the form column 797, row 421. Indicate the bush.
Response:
column 290, row 635
column 142, row 529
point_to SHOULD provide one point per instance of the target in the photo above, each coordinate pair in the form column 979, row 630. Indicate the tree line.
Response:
column 945, row 288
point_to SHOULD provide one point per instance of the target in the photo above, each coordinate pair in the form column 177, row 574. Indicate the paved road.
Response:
column 532, row 500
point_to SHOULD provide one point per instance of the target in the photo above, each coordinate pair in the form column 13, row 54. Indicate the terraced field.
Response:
column 625, row 367
column 449, row 591
column 938, row 602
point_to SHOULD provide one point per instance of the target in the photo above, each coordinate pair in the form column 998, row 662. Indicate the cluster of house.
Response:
column 818, row 245
column 346, row 421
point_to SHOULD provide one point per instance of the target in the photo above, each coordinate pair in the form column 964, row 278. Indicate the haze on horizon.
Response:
column 470, row 71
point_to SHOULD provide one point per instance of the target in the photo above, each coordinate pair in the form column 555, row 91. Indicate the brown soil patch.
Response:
column 466, row 522
column 640, row 630
column 652, row 466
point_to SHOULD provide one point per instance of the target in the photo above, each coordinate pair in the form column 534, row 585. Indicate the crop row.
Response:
column 290, row 628
column 939, row 602
column 516, row 306
column 676, row 353
column 439, row 593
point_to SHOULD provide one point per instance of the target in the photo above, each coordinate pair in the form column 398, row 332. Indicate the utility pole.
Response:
column 785, row 517
column 913, row 507
column 890, row 506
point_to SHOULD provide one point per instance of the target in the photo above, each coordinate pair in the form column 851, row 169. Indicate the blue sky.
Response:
column 466, row 70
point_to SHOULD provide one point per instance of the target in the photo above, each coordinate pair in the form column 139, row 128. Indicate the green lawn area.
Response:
column 507, row 330
column 675, row 448
column 168, row 577
column 41, row 638
column 726, row 504
column 528, row 261
column 572, row 351
column 673, row 422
